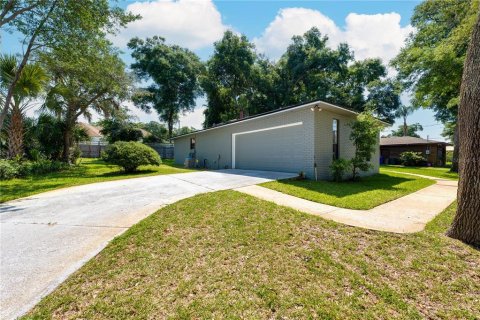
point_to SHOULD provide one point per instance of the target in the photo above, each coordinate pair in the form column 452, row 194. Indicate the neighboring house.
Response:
column 93, row 132
column 433, row 151
column 290, row 139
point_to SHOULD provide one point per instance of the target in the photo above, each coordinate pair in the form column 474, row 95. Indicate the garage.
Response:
column 277, row 148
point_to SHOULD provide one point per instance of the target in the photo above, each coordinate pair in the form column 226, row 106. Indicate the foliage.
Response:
column 130, row 155
column 431, row 63
column 411, row 158
column 228, row 80
column 184, row 130
column 30, row 85
column 117, row 130
column 8, row 169
column 174, row 73
column 51, row 25
column 237, row 81
column 338, row 168
column 364, row 135
column 411, row 131
column 93, row 80
column 158, row 132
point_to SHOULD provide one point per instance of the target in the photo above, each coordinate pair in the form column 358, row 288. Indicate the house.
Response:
column 92, row 131
column 299, row 138
column 433, row 151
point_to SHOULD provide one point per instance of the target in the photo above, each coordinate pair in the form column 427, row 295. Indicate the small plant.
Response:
column 130, row 155
column 8, row 169
column 410, row 158
column 364, row 135
column 338, row 168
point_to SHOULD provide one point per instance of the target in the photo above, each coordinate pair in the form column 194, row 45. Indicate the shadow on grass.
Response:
column 121, row 173
column 349, row 188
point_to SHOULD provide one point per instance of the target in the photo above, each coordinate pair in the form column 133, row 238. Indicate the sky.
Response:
column 372, row 28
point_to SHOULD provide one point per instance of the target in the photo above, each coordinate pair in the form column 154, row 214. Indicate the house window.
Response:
column 335, row 139
column 192, row 143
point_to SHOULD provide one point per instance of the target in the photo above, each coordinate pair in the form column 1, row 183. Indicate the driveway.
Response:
column 46, row 237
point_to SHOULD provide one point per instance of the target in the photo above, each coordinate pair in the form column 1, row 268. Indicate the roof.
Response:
column 322, row 104
column 92, row 131
column 394, row 141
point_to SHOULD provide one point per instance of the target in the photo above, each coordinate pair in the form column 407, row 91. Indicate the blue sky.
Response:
column 372, row 28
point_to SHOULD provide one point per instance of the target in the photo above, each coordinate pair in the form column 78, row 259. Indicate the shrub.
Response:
column 8, row 169
column 130, row 155
column 410, row 158
column 338, row 168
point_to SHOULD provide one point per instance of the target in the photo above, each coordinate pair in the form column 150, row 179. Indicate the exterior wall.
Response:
column 215, row 146
column 437, row 156
column 324, row 143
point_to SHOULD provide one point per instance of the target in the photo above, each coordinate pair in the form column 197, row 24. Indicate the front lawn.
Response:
column 88, row 171
column 436, row 172
column 367, row 193
column 226, row 255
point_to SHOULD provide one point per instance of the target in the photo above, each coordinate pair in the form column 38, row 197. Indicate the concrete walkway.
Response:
column 404, row 215
column 46, row 237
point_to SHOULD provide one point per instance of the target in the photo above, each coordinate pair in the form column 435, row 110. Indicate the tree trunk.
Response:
column 67, row 143
column 466, row 224
column 15, row 134
column 405, row 127
column 454, row 167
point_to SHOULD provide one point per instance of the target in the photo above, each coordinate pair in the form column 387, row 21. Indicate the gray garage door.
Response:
column 278, row 149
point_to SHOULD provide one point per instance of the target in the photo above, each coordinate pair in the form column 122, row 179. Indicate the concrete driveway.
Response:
column 46, row 237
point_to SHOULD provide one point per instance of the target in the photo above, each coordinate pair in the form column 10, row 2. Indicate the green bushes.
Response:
column 10, row 169
column 338, row 168
column 130, row 155
column 410, row 158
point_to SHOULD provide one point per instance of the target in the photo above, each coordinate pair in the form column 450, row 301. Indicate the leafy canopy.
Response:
column 174, row 73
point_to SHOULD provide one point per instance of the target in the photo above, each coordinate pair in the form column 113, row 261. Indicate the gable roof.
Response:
column 392, row 141
column 320, row 103
column 92, row 131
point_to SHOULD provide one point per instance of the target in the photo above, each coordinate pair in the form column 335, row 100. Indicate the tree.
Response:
column 93, row 80
column 30, row 84
column 158, row 131
column 184, row 130
column 466, row 224
column 364, row 135
column 227, row 81
column 431, row 63
column 174, row 72
column 311, row 70
column 51, row 24
column 404, row 112
column 119, row 130
column 411, row 130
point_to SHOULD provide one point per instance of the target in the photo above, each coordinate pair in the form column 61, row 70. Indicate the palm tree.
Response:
column 30, row 84
column 404, row 112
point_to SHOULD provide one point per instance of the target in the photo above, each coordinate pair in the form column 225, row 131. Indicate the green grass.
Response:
column 436, row 172
column 367, row 193
column 226, row 255
column 88, row 171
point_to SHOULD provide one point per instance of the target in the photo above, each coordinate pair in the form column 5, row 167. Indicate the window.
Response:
column 335, row 139
column 192, row 143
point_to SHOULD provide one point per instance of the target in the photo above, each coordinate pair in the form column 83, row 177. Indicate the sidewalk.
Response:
column 404, row 215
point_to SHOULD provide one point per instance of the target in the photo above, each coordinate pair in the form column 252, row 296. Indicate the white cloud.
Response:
column 188, row 23
column 370, row 36
column 293, row 21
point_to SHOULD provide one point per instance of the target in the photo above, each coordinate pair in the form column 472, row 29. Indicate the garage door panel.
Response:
column 277, row 149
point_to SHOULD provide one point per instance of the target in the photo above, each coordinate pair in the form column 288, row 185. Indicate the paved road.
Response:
column 46, row 237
